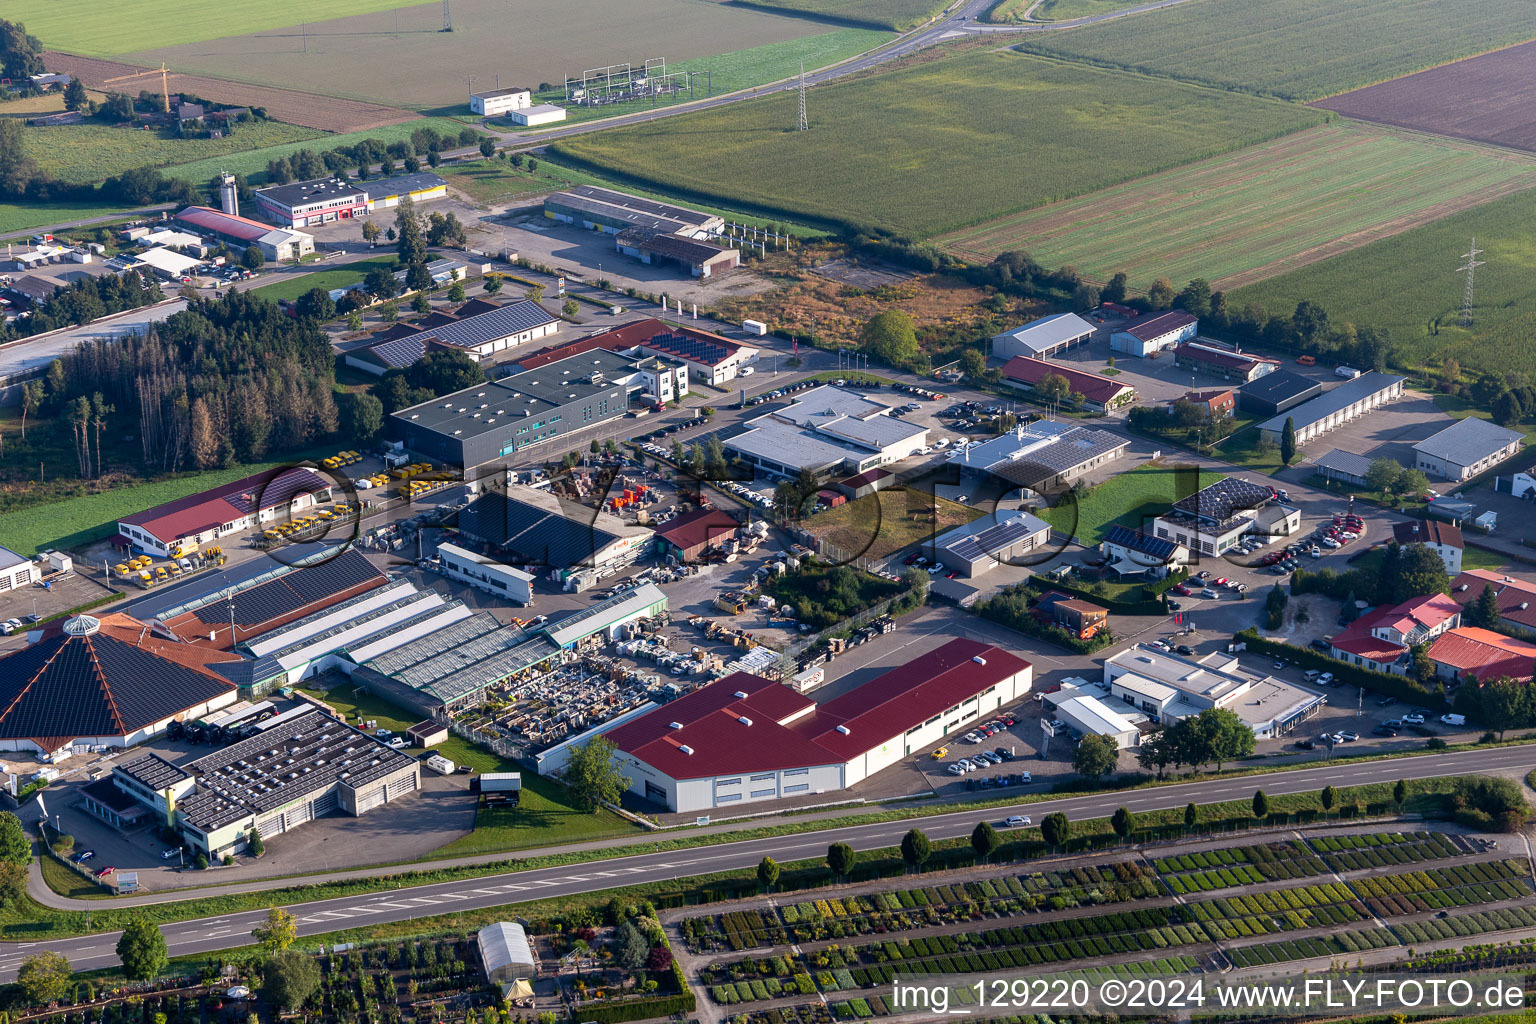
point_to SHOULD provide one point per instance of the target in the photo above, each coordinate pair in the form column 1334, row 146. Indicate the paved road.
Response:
column 209, row 934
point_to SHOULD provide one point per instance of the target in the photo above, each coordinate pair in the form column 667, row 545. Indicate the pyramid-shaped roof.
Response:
column 101, row 677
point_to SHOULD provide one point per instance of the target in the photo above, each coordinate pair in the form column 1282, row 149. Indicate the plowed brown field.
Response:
column 321, row 112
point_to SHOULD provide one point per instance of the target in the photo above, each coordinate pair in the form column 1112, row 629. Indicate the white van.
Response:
column 1310, row 675
column 1453, row 719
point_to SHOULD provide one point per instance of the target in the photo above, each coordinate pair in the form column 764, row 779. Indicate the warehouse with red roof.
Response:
column 746, row 739
column 187, row 523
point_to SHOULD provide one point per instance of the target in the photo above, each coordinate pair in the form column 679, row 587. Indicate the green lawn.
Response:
column 16, row 217
column 341, row 276
column 91, row 153
column 1011, row 12
column 1323, row 190
column 99, row 29
column 878, row 524
column 1128, row 499
column 545, row 815
column 487, row 181
column 1406, row 285
column 938, row 146
column 253, row 163
column 1471, row 558
column 899, row 15
column 1297, row 49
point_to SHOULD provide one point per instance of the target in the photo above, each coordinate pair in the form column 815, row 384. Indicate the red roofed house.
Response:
column 1380, row 639
column 1443, row 538
column 198, row 519
column 1517, row 598
column 1479, row 655
column 1099, row 393
column 745, row 739
column 688, row 537
column 1217, row 402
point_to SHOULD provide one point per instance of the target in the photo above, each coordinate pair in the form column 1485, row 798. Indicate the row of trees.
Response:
column 84, row 300
column 424, row 144
column 1405, row 571
column 1215, row 736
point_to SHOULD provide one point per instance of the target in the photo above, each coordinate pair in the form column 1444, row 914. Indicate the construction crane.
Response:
column 162, row 71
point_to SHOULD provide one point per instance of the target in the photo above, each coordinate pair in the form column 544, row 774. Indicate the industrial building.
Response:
column 536, row 115
column 608, row 617
column 1221, row 361
column 276, row 244
column 17, row 572
column 1083, row 709
column 535, row 528
column 603, row 209
column 701, row 259
column 1100, row 393
column 485, row 573
column 1042, row 456
column 303, row 766
column 166, row 264
column 1344, row 404
column 1002, row 538
column 1215, row 519
column 1155, row 334
column 1130, row 552
column 107, row 681
column 862, row 485
column 1343, row 467
column 692, row 535
column 1042, row 338
column 480, row 329
column 1171, row 687
column 496, row 102
column 1382, row 639
column 1466, row 448
column 703, row 356
column 323, row 200
column 418, row 186
column 1275, row 392
column 1443, row 539
column 824, row 430
column 744, row 739
column 183, row 525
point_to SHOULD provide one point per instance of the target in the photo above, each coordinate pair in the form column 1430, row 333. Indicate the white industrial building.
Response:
column 17, row 572
column 167, row 263
column 744, row 739
column 1170, row 687
column 1155, row 334
column 1042, row 338
column 539, row 113
column 486, row 573
column 500, row 101
column 1344, row 404
column 1083, row 710
column 1041, row 456
column 1217, row 518
column 1002, row 538
column 824, row 429
column 1466, row 448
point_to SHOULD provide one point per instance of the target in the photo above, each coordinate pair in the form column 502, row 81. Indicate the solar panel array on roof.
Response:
column 283, row 593
column 399, row 352
column 698, row 350
column 1133, row 540
column 504, row 321
column 1221, row 500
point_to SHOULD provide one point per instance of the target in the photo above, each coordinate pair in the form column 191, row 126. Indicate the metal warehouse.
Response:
column 1273, row 393
column 1466, row 448
column 825, row 429
column 603, row 209
column 1344, row 404
column 534, row 528
column 1042, row 338
column 1001, row 538
column 744, row 739
column 1042, row 455
column 182, row 525
column 1155, row 334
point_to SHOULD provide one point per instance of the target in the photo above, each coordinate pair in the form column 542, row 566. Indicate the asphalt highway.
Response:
column 321, row 916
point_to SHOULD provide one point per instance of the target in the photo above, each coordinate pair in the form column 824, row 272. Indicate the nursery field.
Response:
column 1407, row 285
column 90, row 153
column 1297, row 49
column 939, row 146
column 1259, row 212
column 898, row 15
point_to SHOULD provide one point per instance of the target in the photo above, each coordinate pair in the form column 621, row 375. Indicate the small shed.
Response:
column 867, row 483
column 427, row 734
column 506, row 955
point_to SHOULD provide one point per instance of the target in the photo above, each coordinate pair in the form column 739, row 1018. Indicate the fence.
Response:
column 789, row 660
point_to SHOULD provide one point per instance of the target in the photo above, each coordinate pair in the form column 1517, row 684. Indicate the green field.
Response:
column 1011, row 12
column 253, row 163
column 898, row 15
column 342, row 276
column 91, row 153
column 1407, row 285
column 1298, row 49
column 940, row 146
column 1259, row 211
column 544, row 815
column 1130, row 499
column 26, row 216
column 105, row 28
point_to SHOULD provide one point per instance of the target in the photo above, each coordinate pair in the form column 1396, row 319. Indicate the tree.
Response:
column 492, row 284
column 1056, row 829
column 14, row 844
column 316, row 305
column 252, row 259
column 1260, row 804
column 593, row 777
column 660, row 959
column 1160, row 295
column 1484, row 612
column 487, row 147
column 370, row 231
column 1328, row 797
column 354, row 321
column 74, row 96
column 1274, row 607
column 434, row 158
column 768, row 873
column 1096, row 756
column 1085, row 296
column 1191, row 815
column 985, row 840
column 411, row 246
column 205, row 439
column 1400, row 793
column 254, row 844
column 142, row 950
column 1384, row 475
column 289, row 978
column 421, row 304
column 1196, row 298
column 633, row 947
column 456, row 292
column 1288, row 441
column 840, row 859
column 891, row 337
column 31, row 398
column 1219, row 736
column 389, row 311
column 17, row 169
column 1053, row 387
column 1123, row 822
column 380, row 282
column 1506, row 409
column 1506, row 704
column 570, row 308
column 536, row 293
column 1114, row 291
column 973, row 363
column 45, row 977
column 916, row 848
column 1417, row 570
column 278, row 933
column 445, row 371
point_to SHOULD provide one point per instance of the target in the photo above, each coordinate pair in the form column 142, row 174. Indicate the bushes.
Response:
column 1010, row 607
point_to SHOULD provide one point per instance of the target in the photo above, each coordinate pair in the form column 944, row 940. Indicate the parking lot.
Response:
column 1389, row 432
column 64, row 591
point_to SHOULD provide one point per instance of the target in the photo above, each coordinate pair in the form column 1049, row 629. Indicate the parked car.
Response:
column 1349, row 737
column 1413, row 718
column 84, row 855
column 955, row 769
column 104, row 872
column 1025, row 777
column 1185, row 650
column 1208, row 592
column 172, row 852
column 1305, row 745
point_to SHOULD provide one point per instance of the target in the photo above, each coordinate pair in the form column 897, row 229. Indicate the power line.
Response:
column 803, row 124
column 1469, row 267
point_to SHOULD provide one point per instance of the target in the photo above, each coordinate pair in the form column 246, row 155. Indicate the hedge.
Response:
column 1378, row 682
column 1115, row 605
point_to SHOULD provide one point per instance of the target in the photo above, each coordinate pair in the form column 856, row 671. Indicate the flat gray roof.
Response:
column 1325, row 405
column 1341, row 461
column 1045, row 334
column 1467, row 441
column 791, row 446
